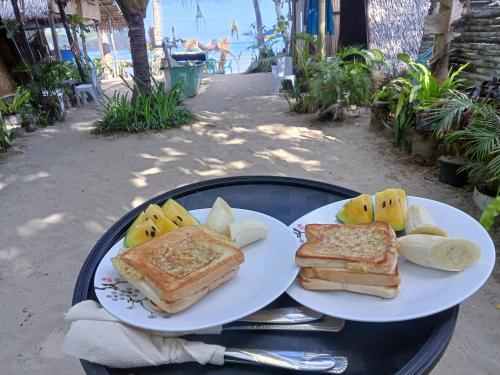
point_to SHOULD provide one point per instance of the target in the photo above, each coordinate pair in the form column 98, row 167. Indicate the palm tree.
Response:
column 157, row 29
column 258, row 23
column 71, row 41
column 134, row 12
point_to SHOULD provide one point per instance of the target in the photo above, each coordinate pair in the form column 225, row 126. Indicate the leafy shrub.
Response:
column 335, row 83
column 158, row 109
column 413, row 93
column 5, row 137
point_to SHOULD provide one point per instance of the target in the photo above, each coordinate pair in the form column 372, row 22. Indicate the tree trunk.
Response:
column 22, row 33
column 258, row 23
column 157, row 29
column 139, row 51
column 71, row 42
column 321, row 26
column 277, row 7
column 84, row 47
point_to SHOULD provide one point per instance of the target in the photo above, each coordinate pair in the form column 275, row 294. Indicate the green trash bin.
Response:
column 189, row 77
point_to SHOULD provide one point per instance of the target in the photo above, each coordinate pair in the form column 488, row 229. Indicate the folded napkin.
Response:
column 97, row 336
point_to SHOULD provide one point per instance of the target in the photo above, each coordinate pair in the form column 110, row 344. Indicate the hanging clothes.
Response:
column 234, row 29
column 312, row 17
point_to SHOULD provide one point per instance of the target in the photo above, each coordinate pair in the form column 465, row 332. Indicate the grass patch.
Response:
column 159, row 109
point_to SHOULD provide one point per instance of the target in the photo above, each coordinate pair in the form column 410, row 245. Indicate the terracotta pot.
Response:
column 481, row 200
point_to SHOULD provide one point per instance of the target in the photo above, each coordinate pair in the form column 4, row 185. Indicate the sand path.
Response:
column 62, row 187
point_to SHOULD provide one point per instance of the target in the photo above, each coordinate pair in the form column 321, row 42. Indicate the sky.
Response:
column 218, row 15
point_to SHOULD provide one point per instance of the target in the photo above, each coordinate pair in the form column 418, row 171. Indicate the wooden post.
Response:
column 99, row 42
column 22, row 33
column 53, row 32
column 113, row 46
column 336, row 24
column 322, row 26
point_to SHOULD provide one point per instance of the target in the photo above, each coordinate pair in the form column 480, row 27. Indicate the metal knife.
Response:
column 283, row 315
column 299, row 361
column 326, row 324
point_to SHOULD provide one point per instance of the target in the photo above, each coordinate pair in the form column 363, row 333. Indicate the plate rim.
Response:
column 481, row 281
column 187, row 330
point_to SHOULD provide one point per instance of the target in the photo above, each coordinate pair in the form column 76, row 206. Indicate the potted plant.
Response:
column 15, row 109
column 480, row 140
column 380, row 109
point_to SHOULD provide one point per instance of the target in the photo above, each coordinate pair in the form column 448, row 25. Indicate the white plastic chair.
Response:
column 93, row 89
column 283, row 71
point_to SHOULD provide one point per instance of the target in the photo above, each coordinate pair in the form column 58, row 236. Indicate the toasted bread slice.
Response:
column 352, row 277
column 369, row 244
column 325, row 285
column 182, row 262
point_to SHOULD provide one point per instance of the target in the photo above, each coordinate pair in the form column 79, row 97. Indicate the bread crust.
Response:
column 370, row 244
column 352, row 277
column 182, row 262
column 325, row 285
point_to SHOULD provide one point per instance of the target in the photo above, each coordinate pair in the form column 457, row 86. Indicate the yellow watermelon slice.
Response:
column 148, row 225
column 178, row 214
column 358, row 210
column 391, row 207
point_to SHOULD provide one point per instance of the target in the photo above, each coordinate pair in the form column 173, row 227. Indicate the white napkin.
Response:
column 97, row 336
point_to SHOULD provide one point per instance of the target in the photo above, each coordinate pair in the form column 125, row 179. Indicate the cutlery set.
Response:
column 288, row 319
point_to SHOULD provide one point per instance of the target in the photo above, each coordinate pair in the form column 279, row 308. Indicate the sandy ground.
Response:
column 62, row 187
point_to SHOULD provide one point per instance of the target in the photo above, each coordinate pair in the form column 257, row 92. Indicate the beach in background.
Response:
column 240, row 61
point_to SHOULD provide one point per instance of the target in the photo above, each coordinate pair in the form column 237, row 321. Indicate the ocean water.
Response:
column 241, row 51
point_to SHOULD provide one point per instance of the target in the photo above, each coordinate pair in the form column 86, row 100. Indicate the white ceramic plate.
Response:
column 423, row 291
column 267, row 272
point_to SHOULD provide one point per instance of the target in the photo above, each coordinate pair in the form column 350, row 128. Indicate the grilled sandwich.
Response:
column 360, row 258
column 363, row 247
column 180, row 267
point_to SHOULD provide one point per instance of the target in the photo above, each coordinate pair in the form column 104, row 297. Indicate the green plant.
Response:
column 5, row 137
column 18, row 104
column 415, row 92
column 480, row 142
column 155, row 110
column 42, row 80
column 333, row 84
column 490, row 213
column 98, row 64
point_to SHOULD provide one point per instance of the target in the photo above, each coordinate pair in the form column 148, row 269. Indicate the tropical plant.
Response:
column 18, row 104
column 414, row 95
column 331, row 85
column 61, row 4
column 79, row 26
column 153, row 110
column 480, row 140
column 44, row 85
column 490, row 213
column 134, row 12
column 5, row 137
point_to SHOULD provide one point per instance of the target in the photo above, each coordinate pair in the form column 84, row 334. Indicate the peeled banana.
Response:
column 449, row 254
column 220, row 216
column 419, row 221
column 244, row 232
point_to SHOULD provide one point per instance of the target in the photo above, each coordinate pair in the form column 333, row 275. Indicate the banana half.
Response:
column 449, row 254
column 419, row 221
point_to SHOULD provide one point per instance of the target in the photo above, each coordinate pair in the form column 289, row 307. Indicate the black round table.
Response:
column 409, row 347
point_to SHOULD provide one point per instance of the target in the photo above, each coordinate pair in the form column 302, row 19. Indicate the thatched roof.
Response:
column 397, row 26
column 110, row 9
column 32, row 9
